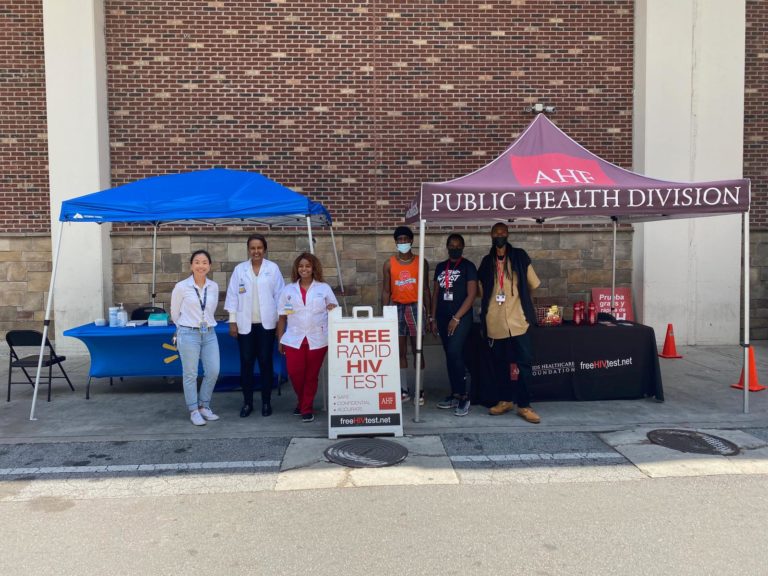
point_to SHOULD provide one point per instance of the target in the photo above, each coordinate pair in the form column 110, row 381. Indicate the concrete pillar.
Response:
column 78, row 157
column 688, row 126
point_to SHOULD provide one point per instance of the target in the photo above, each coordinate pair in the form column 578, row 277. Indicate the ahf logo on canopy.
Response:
column 555, row 169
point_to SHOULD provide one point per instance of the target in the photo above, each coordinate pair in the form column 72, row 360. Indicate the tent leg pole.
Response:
column 613, row 277
column 419, row 322
column 338, row 270
column 154, row 263
column 309, row 234
column 47, row 322
column 745, row 221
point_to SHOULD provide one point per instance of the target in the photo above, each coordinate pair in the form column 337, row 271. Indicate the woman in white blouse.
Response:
column 193, row 304
column 302, row 329
column 252, row 305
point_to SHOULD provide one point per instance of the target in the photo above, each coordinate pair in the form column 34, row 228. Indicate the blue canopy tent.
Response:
column 213, row 197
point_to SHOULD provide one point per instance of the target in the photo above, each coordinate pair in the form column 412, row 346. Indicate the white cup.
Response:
column 100, row 322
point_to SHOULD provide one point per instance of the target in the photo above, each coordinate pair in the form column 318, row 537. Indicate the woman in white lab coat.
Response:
column 302, row 329
column 252, row 305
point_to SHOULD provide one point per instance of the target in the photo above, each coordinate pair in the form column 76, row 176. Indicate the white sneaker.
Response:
column 207, row 414
column 196, row 418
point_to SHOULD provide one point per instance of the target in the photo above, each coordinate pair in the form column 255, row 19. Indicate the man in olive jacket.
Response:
column 507, row 279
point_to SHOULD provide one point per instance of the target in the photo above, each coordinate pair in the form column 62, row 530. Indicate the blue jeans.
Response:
column 454, row 351
column 194, row 346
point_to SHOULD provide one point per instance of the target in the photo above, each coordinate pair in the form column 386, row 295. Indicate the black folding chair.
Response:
column 143, row 312
column 18, row 339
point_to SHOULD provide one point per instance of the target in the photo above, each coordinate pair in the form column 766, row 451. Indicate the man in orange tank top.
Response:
column 400, row 287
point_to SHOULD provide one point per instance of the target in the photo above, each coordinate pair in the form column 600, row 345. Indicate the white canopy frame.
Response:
column 281, row 221
column 745, row 266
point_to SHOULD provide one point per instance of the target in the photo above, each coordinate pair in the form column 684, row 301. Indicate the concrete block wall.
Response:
column 25, row 271
column 758, row 285
column 569, row 263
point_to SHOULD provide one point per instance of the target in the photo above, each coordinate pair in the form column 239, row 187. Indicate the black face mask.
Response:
column 499, row 241
column 455, row 253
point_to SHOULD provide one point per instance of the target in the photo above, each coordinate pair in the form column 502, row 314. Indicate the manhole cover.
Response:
column 693, row 442
column 366, row 453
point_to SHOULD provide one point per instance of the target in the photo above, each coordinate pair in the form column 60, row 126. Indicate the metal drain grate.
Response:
column 693, row 442
column 366, row 453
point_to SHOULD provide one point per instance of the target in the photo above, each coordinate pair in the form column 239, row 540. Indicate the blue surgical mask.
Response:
column 404, row 248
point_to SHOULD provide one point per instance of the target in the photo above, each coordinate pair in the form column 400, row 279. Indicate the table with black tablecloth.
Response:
column 607, row 361
column 148, row 351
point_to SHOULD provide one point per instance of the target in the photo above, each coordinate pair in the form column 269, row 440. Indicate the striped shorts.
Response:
column 406, row 319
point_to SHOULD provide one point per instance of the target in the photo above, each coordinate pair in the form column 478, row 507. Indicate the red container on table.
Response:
column 578, row 313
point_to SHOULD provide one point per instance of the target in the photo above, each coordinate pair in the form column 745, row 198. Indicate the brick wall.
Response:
column 756, row 159
column 755, row 111
column 358, row 103
column 23, row 130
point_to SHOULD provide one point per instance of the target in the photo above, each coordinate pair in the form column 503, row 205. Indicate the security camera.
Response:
column 538, row 108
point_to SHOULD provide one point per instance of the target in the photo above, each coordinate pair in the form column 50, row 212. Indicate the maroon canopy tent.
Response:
column 546, row 176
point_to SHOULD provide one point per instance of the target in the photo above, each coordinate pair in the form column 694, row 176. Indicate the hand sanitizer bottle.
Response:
column 122, row 316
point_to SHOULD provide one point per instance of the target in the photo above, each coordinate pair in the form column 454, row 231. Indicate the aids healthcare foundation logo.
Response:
column 551, row 368
column 387, row 401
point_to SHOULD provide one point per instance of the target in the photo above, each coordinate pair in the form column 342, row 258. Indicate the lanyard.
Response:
column 448, row 272
column 205, row 298
column 500, row 274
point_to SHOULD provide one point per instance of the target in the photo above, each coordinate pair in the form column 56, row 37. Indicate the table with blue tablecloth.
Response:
column 149, row 351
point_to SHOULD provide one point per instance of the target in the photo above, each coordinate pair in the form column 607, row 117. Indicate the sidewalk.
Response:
column 697, row 391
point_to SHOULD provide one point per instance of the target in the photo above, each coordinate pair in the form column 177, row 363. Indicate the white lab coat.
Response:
column 239, row 299
column 308, row 320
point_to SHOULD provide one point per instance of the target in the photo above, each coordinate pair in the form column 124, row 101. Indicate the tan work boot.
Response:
column 501, row 408
column 529, row 415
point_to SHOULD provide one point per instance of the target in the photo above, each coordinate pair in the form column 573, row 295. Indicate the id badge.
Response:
column 448, row 296
column 501, row 298
column 288, row 308
column 203, row 327
column 241, row 289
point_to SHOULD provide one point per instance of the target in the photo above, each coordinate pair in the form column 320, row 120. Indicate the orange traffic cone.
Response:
column 670, row 351
column 754, row 385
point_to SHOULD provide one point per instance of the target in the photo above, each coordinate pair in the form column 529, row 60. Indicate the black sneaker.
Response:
column 307, row 417
column 296, row 411
column 449, row 403
column 462, row 408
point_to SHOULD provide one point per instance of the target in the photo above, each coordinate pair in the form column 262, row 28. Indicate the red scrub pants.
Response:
column 303, row 369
